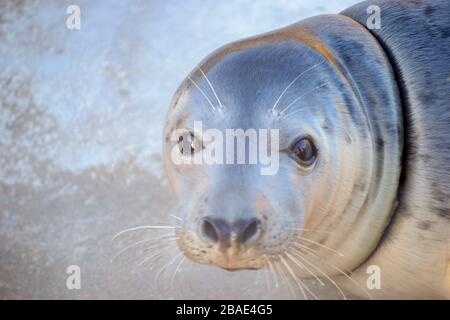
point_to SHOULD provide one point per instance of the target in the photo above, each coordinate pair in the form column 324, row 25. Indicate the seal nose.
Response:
column 224, row 233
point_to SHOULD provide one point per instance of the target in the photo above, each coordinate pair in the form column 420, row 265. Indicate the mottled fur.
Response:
column 414, row 252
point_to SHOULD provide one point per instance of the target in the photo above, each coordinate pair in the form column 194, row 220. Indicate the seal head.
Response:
column 325, row 86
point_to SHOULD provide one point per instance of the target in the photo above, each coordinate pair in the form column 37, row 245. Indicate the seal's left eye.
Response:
column 304, row 151
column 188, row 144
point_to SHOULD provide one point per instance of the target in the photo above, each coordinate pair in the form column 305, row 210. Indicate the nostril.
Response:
column 219, row 231
column 209, row 231
column 250, row 231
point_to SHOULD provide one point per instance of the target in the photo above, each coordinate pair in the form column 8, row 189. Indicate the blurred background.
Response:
column 81, row 114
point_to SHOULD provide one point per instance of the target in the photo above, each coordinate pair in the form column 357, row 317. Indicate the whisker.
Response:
column 297, row 278
column 292, row 82
column 286, row 280
column 268, row 268
column 176, row 217
column 298, row 282
column 322, row 272
column 274, row 274
column 351, row 279
column 213, row 108
column 155, row 256
column 302, row 265
column 212, row 88
column 164, row 267
column 298, row 98
column 266, row 276
column 305, row 248
column 141, row 228
column 142, row 241
column 345, row 275
column 257, row 278
column 177, row 269
column 321, row 245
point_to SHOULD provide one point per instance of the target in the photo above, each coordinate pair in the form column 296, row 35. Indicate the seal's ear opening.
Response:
column 365, row 71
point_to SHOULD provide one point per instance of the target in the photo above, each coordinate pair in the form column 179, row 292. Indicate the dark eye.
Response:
column 188, row 144
column 304, row 151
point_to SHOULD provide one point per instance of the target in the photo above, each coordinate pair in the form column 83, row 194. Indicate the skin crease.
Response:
column 414, row 253
column 329, row 219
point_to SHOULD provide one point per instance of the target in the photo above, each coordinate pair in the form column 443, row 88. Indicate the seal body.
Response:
column 363, row 145
column 413, row 254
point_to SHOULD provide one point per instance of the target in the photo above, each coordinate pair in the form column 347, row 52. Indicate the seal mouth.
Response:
column 239, row 269
column 236, row 264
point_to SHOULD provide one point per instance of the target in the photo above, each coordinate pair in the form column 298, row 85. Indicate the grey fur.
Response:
column 394, row 84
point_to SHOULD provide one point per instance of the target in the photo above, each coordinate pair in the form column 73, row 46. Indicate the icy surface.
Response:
column 81, row 116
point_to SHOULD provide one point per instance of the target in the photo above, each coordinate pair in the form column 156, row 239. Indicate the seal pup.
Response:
column 364, row 152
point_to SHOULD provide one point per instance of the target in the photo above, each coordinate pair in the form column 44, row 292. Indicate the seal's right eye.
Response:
column 188, row 144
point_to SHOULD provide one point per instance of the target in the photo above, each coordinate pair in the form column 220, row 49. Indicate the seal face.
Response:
column 335, row 203
column 339, row 149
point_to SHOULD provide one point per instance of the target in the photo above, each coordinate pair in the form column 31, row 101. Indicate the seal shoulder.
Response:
column 416, row 37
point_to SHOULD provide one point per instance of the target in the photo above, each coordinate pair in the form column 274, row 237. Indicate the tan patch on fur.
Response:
column 295, row 32
column 260, row 204
column 305, row 35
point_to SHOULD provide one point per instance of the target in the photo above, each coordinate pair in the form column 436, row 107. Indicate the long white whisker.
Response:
column 155, row 256
column 285, row 116
column 213, row 108
column 321, row 245
column 348, row 277
column 298, row 98
column 274, row 273
column 177, row 269
column 267, row 277
column 299, row 282
column 302, row 265
column 286, row 280
column 212, row 88
column 143, row 241
column 176, row 217
column 322, row 272
column 164, row 267
column 345, row 275
column 305, row 248
column 292, row 82
column 142, row 227
column 351, row 279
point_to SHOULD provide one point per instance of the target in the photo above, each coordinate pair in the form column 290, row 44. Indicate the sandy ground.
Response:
column 81, row 117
